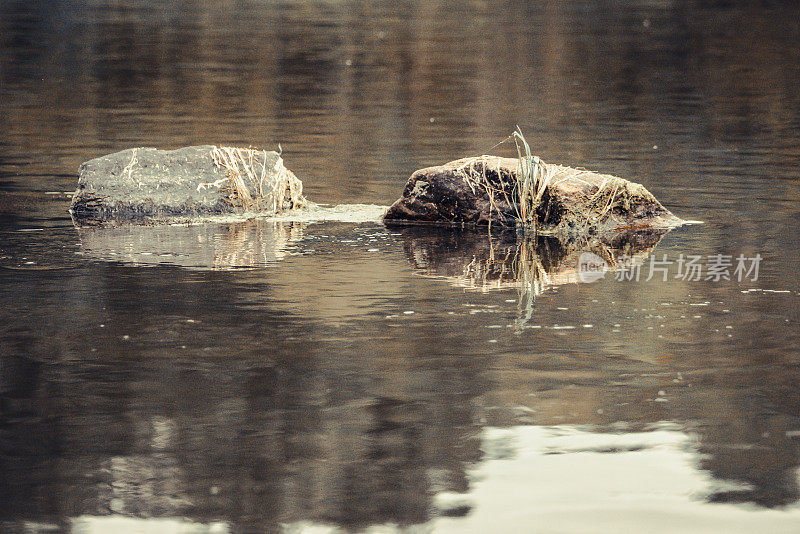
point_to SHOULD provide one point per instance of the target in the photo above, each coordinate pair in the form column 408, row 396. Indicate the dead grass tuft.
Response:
column 527, row 189
column 254, row 185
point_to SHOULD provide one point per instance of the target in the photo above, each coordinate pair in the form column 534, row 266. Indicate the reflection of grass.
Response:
column 254, row 243
column 252, row 185
column 528, row 264
column 533, row 264
column 507, row 266
column 519, row 265
column 531, row 276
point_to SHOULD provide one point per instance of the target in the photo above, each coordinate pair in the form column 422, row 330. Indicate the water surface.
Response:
column 330, row 373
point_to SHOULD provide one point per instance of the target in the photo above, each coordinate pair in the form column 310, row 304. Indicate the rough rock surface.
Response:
column 480, row 191
column 147, row 184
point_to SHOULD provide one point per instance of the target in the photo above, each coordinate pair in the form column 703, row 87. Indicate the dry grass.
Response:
column 479, row 179
column 253, row 185
column 534, row 178
column 617, row 193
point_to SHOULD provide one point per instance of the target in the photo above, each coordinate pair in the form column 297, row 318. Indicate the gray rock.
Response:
column 146, row 184
column 483, row 191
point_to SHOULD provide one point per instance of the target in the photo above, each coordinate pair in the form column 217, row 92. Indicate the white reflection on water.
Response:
column 218, row 243
column 130, row 525
column 565, row 479
column 570, row 480
column 212, row 246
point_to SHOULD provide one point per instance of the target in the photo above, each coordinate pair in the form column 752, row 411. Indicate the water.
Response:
column 326, row 373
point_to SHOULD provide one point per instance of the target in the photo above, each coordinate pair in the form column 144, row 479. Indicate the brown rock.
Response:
column 485, row 191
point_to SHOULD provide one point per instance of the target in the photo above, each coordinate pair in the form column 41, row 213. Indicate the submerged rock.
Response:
column 552, row 199
column 143, row 184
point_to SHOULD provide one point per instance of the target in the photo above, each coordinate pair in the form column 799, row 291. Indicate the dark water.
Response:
column 264, row 376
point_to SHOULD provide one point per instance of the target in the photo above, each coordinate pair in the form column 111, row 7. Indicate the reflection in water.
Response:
column 104, row 525
column 294, row 432
column 251, row 243
column 216, row 243
column 302, row 394
column 529, row 473
column 261, row 448
column 475, row 259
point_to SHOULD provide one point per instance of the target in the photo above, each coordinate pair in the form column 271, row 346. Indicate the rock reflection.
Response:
column 218, row 246
column 476, row 260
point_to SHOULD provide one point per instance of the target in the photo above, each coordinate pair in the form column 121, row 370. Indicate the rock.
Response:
column 146, row 184
column 485, row 190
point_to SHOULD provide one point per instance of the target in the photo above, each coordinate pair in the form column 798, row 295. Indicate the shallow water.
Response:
column 324, row 372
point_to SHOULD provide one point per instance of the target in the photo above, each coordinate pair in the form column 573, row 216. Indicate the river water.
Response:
column 328, row 374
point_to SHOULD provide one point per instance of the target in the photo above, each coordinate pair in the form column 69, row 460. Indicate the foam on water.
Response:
column 348, row 213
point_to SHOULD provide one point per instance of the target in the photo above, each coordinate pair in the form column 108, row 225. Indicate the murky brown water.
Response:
column 252, row 376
